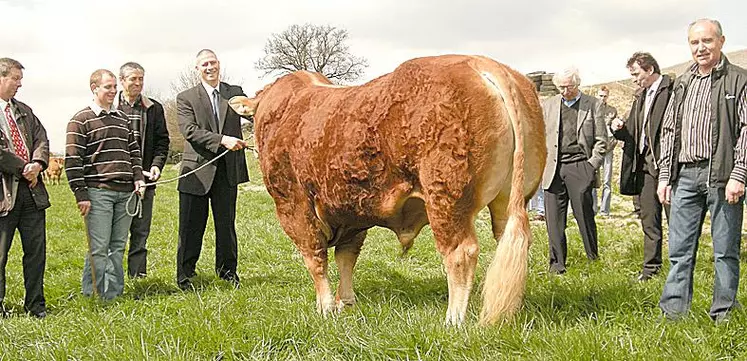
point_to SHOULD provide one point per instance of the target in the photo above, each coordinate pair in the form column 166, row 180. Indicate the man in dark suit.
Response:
column 641, row 135
column 576, row 143
column 210, row 127
column 24, row 153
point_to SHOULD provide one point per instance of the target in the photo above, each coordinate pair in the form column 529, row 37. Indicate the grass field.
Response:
column 594, row 312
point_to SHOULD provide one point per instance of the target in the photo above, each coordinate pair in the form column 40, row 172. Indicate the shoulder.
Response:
column 232, row 89
column 189, row 93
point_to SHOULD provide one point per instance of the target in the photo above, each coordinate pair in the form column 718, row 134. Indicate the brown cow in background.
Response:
column 54, row 170
column 434, row 142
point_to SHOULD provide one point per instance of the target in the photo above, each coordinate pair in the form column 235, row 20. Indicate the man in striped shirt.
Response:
column 102, row 162
column 703, row 167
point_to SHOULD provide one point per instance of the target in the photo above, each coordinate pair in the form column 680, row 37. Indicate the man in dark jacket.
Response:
column 24, row 153
column 149, row 126
column 703, row 167
column 641, row 134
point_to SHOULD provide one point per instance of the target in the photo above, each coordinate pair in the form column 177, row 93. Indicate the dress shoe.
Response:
column 186, row 285
column 39, row 315
column 232, row 278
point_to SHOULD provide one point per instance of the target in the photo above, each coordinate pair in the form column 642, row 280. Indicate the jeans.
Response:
column 606, row 186
column 691, row 198
column 108, row 224
column 537, row 203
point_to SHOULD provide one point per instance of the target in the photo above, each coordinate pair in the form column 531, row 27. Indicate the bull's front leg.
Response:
column 316, row 263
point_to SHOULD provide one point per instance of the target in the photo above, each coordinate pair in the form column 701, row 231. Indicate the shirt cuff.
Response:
column 739, row 173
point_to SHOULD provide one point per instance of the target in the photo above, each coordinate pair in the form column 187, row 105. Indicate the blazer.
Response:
column 592, row 133
column 631, row 173
column 202, row 139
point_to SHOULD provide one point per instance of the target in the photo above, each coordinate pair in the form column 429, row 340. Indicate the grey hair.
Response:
column 567, row 73
column 129, row 66
column 716, row 23
column 7, row 63
column 203, row 52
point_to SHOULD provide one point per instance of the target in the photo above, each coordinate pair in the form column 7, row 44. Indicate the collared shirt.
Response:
column 569, row 103
column 648, row 100
column 97, row 109
column 134, row 113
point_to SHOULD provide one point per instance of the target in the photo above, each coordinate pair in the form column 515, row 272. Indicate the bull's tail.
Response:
column 505, row 280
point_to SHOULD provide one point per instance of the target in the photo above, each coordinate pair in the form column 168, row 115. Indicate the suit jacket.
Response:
column 631, row 172
column 202, row 139
column 591, row 130
column 11, row 166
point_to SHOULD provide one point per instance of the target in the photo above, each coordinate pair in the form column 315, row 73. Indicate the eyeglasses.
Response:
column 566, row 87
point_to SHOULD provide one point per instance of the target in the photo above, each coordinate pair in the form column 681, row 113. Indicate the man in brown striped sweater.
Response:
column 103, row 166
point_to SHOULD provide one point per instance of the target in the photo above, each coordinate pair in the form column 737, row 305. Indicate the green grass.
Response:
column 594, row 312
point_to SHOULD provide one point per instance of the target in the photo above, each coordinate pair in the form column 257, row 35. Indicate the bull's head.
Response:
column 244, row 106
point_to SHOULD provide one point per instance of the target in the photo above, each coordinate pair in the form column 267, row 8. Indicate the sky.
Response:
column 61, row 42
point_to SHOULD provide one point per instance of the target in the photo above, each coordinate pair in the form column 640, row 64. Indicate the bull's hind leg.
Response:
column 457, row 242
column 302, row 226
column 346, row 255
column 499, row 214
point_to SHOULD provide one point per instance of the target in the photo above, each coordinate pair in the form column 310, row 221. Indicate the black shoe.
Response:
column 232, row 278
column 186, row 285
column 39, row 315
column 556, row 271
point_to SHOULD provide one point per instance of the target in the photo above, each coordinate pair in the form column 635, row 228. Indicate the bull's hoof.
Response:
column 343, row 303
column 454, row 319
column 326, row 307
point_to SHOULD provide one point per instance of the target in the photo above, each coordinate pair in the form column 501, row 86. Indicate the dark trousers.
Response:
column 31, row 224
column 572, row 181
column 193, row 215
column 137, row 263
column 651, row 221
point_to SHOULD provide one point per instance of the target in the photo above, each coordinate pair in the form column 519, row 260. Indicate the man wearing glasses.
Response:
column 576, row 144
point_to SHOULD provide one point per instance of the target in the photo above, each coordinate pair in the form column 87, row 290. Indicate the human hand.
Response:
column 84, row 207
column 734, row 191
column 155, row 173
column 664, row 191
column 617, row 124
column 140, row 188
column 31, row 173
column 233, row 143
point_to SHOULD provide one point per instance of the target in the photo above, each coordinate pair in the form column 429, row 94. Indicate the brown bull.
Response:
column 434, row 142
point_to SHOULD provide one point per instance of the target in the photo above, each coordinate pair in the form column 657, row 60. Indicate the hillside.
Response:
column 622, row 91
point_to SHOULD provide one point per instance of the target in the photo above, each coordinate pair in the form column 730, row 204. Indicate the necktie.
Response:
column 215, row 108
column 15, row 135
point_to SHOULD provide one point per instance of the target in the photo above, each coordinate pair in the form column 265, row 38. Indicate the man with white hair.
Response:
column 576, row 143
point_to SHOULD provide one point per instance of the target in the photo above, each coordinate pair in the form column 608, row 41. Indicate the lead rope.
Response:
column 138, row 211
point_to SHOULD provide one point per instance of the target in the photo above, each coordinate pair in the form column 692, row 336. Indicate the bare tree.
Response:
column 322, row 49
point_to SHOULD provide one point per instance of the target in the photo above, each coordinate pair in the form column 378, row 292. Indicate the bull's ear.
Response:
column 243, row 106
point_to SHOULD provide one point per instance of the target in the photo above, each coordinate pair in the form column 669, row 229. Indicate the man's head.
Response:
column 567, row 82
column 104, row 87
column 706, row 40
column 131, row 76
column 603, row 94
column 208, row 66
column 11, row 73
column 644, row 69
